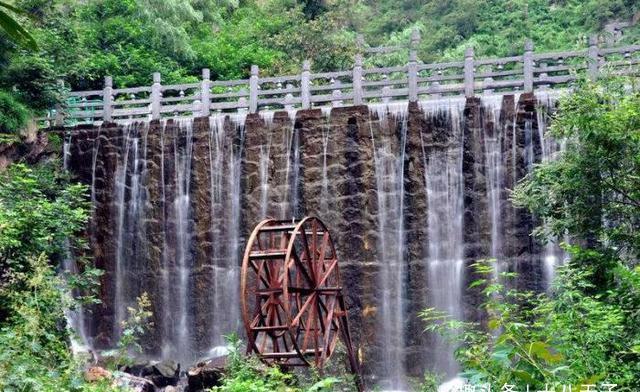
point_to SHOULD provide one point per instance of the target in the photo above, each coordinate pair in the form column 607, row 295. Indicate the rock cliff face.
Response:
column 413, row 194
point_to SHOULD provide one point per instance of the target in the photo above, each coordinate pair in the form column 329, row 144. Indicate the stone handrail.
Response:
column 411, row 82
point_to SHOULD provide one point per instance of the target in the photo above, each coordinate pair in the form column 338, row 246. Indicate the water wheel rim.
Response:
column 323, row 345
column 244, row 289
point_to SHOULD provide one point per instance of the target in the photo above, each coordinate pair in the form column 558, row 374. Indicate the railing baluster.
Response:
column 528, row 66
column 253, row 89
column 107, row 99
column 305, row 87
column 468, row 73
column 205, row 93
column 156, row 96
column 412, row 67
column 357, row 80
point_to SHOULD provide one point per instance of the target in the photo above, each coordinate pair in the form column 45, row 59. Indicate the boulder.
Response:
column 162, row 373
column 206, row 374
column 132, row 383
column 96, row 373
column 120, row 379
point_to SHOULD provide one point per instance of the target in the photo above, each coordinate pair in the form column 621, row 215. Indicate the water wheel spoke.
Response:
column 258, row 270
column 323, row 248
column 303, row 309
column 308, row 254
column 302, row 268
column 327, row 333
column 328, row 272
column 312, row 318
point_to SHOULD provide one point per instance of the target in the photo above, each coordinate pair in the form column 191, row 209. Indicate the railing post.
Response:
column 528, row 66
column 305, row 85
column 205, row 93
column 412, row 67
column 357, row 81
column 468, row 73
column 156, row 96
column 107, row 98
column 593, row 60
column 59, row 118
column 253, row 89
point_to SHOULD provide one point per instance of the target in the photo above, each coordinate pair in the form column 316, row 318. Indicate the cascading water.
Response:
column 494, row 168
column 288, row 206
column 75, row 316
column 324, row 195
column 549, row 148
column 265, row 159
column 389, row 175
column 121, row 302
column 225, row 173
column 183, row 158
column 444, row 189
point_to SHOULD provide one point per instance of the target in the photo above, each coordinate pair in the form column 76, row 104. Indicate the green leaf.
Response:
column 14, row 30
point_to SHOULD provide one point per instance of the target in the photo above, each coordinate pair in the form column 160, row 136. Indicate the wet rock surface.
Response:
column 206, row 374
column 160, row 373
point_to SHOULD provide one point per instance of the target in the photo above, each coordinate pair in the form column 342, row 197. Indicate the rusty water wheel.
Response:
column 292, row 302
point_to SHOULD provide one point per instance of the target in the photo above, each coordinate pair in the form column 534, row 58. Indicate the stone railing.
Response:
column 360, row 85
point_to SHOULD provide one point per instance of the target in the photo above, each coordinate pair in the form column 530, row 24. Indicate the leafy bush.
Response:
column 40, row 213
column 529, row 339
column 13, row 114
column 246, row 374
column 134, row 327
column 40, row 216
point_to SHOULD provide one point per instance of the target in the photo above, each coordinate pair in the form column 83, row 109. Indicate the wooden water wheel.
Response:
column 292, row 301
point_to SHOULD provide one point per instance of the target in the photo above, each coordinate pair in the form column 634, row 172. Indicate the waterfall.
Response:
column 389, row 176
column 120, row 302
column 324, row 194
column 225, row 173
column 444, row 189
column 75, row 317
column 182, row 206
column 291, row 142
column 494, row 169
column 265, row 159
column 264, row 178
column 172, row 203
column 552, row 253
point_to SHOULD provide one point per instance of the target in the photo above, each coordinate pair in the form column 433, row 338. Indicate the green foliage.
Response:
column 34, row 351
column 246, row 374
column 570, row 339
column 134, row 327
column 13, row 28
column 40, row 216
column 13, row 114
column 39, row 212
column 596, row 177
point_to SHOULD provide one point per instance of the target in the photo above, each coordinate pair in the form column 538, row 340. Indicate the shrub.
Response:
column 13, row 114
